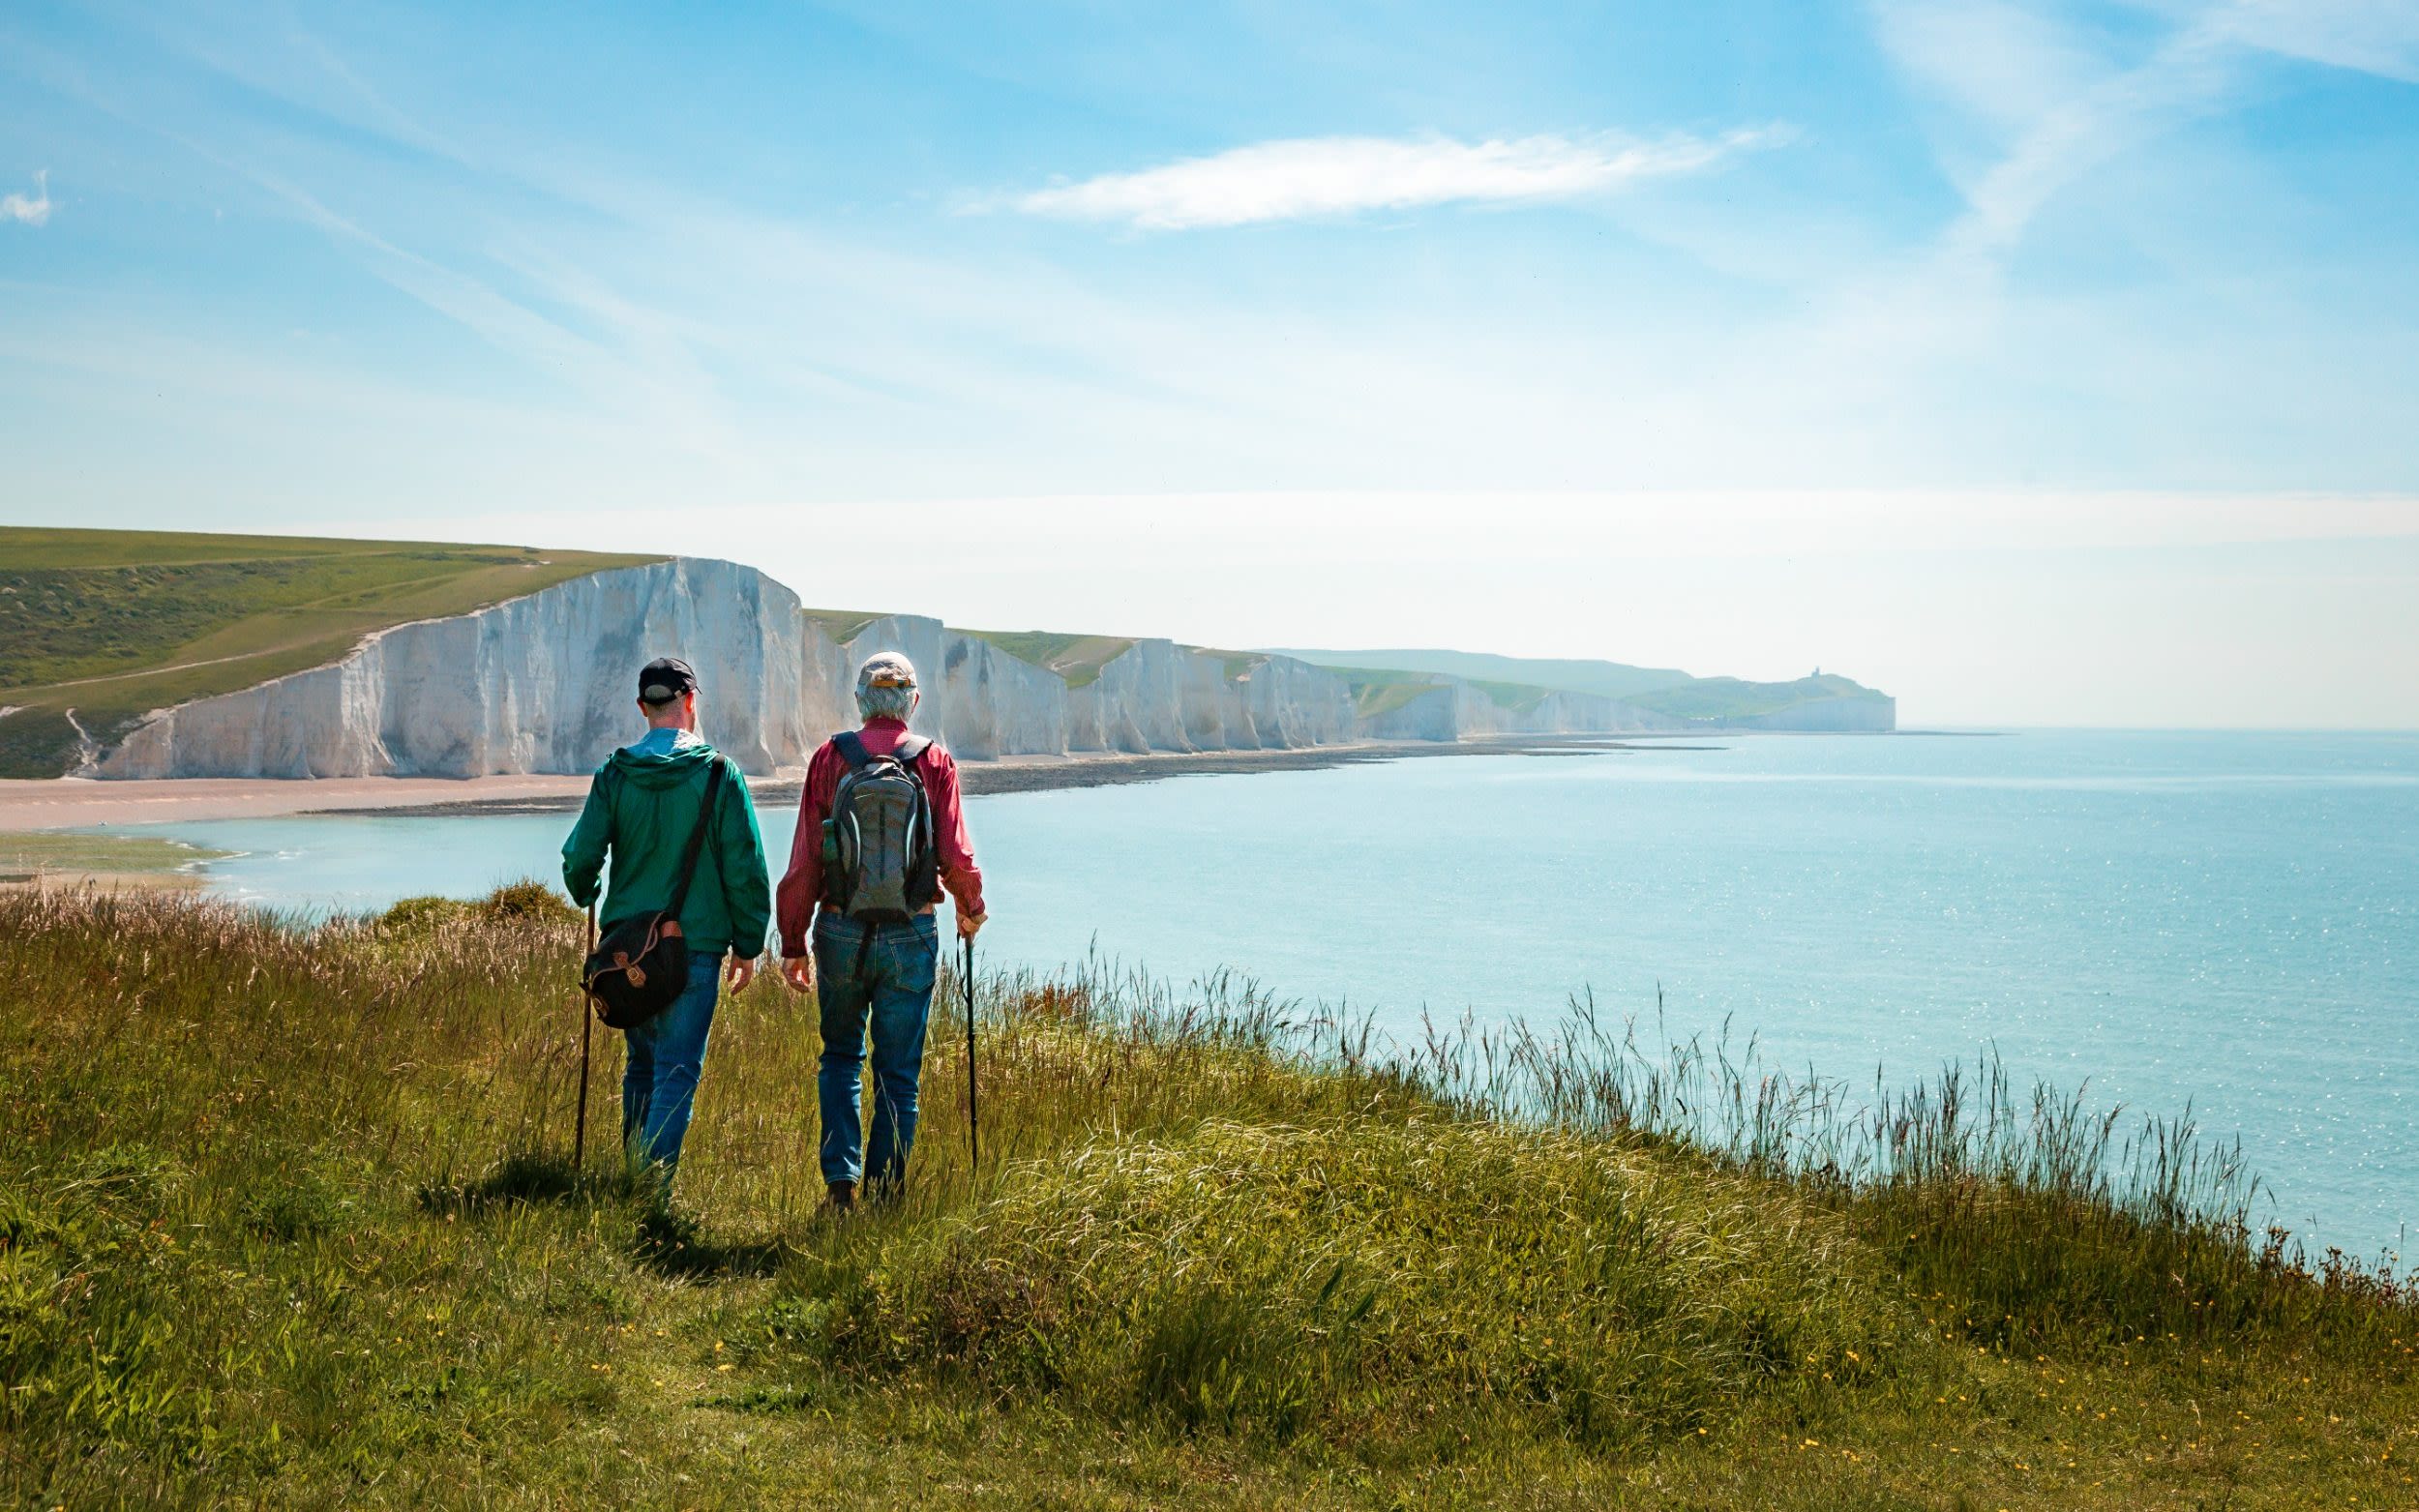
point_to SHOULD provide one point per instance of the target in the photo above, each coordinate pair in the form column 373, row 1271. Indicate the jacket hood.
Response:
column 671, row 770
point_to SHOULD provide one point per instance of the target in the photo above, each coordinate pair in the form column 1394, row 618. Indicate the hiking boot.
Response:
column 841, row 1196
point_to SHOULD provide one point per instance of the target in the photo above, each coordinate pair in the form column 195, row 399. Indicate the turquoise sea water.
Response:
column 2230, row 921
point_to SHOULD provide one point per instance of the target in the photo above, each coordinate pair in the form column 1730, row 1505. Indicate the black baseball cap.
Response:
column 665, row 679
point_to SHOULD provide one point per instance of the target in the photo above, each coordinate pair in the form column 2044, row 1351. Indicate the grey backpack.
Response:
column 879, row 861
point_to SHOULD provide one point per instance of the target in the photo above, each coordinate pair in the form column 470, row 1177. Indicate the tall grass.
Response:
column 286, row 1213
column 2058, row 1220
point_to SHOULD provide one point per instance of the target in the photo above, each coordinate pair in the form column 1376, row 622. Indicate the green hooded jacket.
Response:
column 641, row 805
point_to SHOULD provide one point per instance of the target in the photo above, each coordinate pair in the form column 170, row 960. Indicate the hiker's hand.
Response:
column 799, row 972
column 742, row 973
column 968, row 923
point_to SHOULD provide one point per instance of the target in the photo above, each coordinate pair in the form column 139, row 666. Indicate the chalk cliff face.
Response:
column 978, row 701
column 1454, row 710
column 1829, row 716
column 537, row 684
column 544, row 684
column 1157, row 696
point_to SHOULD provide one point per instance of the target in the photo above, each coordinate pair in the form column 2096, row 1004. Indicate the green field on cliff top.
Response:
column 1386, row 680
column 1714, row 699
column 1076, row 659
column 287, row 1220
column 100, row 627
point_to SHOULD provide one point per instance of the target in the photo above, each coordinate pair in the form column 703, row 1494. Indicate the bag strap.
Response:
column 911, row 751
column 697, row 839
column 851, row 744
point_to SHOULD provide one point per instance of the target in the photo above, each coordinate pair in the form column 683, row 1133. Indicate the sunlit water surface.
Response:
column 2225, row 920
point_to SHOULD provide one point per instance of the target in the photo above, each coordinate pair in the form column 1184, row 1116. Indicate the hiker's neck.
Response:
column 680, row 716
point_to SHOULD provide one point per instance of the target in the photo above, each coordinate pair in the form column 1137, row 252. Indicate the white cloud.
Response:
column 2003, row 62
column 2372, row 35
column 30, row 212
column 2379, row 36
column 2069, row 108
column 1316, row 176
column 2058, row 106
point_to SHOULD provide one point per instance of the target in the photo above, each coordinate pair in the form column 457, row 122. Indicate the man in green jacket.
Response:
column 641, row 806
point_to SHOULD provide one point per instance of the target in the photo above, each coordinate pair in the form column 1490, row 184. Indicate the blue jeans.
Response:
column 887, row 977
column 659, row 1077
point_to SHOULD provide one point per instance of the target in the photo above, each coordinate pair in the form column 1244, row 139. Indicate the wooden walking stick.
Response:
column 973, row 1109
column 587, row 1017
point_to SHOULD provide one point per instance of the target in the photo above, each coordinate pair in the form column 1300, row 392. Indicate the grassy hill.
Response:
column 842, row 625
column 1391, row 678
column 100, row 627
column 292, row 1224
column 1607, row 679
column 1076, row 659
column 1377, row 692
column 1719, row 699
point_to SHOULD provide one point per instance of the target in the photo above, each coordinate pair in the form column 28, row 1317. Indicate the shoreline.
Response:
column 1090, row 769
column 57, row 803
column 63, row 803
column 42, row 860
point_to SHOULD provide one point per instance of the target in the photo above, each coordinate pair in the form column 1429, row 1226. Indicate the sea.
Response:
column 2221, row 923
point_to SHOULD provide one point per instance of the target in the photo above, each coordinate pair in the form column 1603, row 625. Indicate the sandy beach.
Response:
column 84, row 802
column 81, row 803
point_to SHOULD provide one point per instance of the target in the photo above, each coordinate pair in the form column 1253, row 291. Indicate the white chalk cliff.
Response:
column 544, row 684
column 536, row 684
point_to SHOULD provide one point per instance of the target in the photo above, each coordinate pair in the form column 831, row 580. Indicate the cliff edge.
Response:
column 540, row 684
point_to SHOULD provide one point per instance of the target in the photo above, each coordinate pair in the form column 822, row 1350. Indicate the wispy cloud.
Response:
column 1322, row 176
column 29, row 212
column 2378, row 37
column 2070, row 111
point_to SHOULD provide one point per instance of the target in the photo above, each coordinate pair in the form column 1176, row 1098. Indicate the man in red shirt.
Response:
column 876, row 967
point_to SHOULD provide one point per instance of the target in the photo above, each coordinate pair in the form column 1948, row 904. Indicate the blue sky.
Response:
column 2019, row 281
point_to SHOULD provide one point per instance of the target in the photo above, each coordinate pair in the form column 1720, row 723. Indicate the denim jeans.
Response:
column 659, row 1077
column 884, row 977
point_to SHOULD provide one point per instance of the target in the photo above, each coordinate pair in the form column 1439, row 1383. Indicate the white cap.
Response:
column 885, row 670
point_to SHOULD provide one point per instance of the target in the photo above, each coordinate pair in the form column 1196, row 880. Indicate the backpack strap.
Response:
column 697, row 839
column 851, row 744
column 910, row 752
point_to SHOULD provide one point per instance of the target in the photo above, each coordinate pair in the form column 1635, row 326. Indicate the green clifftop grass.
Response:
column 1719, row 698
column 1077, row 659
column 112, row 624
column 285, row 1220
column 1546, row 675
column 1384, row 681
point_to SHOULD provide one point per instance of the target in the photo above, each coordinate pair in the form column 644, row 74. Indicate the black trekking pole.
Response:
column 973, row 1109
column 580, row 1130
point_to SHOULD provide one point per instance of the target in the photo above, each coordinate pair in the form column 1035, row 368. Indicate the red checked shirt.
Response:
column 803, row 885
